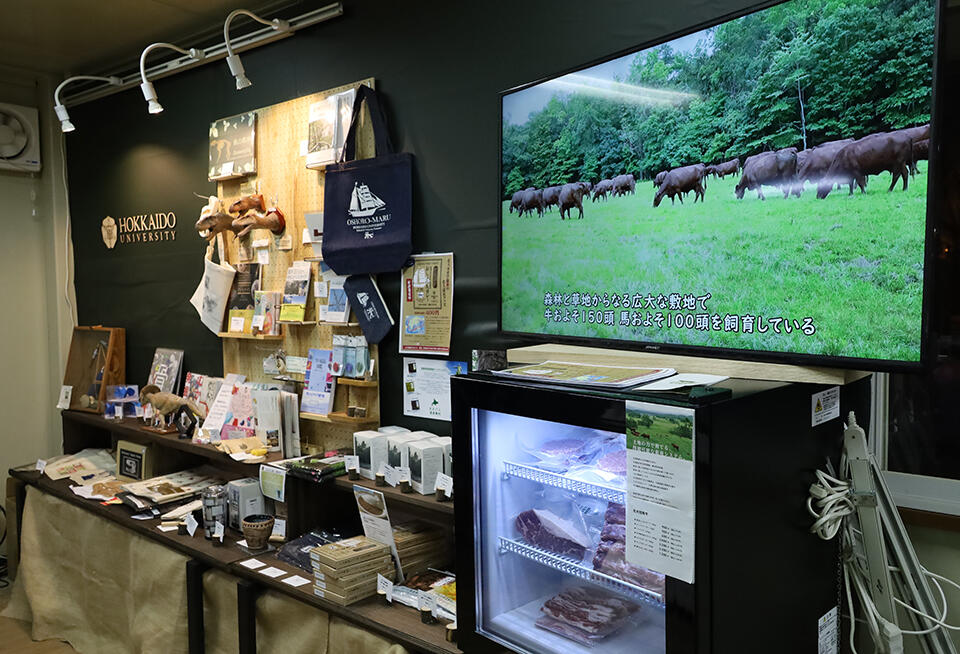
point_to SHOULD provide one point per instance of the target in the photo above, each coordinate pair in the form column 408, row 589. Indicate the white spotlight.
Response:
column 146, row 86
column 61, row 109
column 233, row 59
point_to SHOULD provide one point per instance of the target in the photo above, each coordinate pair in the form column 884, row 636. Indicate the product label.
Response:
column 827, row 636
column 825, row 406
column 385, row 586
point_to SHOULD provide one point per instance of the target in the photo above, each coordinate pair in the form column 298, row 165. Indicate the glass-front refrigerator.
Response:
column 612, row 522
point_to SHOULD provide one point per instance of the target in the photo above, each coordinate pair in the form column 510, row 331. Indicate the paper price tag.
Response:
column 261, row 243
column 191, row 523
column 218, row 531
column 236, row 324
column 147, row 412
column 279, row 528
column 352, row 462
column 427, row 600
column 391, row 474
column 263, row 256
column 118, row 410
column 285, row 242
column 385, row 586
column 41, row 465
column 304, row 148
column 226, row 169
column 257, row 322
column 403, row 472
column 445, row 483
column 296, row 581
column 305, row 239
column 66, row 392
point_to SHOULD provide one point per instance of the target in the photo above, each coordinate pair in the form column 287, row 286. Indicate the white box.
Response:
column 243, row 498
column 447, row 444
column 393, row 429
column 371, row 448
column 397, row 454
column 426, row 460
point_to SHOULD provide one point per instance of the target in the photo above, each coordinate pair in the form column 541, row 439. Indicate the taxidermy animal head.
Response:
column 213, row 220
column 247, row 203
column 272, row 220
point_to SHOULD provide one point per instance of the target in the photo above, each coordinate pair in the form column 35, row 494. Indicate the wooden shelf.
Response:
column 339, row 418
column 132, row 428
column 338, row 324
column 424, row 502
column 251, row 337
column 395, row 621
column 298, row 323
column 363, row 383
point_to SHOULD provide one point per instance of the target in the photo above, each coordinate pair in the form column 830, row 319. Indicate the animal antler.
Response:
column 272, row 220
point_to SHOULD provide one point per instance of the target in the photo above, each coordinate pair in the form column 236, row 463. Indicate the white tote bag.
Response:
column 210, row 298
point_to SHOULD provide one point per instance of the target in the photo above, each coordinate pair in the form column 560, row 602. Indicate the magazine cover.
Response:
column 233, row 147
column 202, row 389
column 266, row 312
column 240, row 304
column 166, row 369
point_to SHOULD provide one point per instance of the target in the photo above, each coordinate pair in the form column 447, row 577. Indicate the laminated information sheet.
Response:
column 426, row 305
column 661, row 511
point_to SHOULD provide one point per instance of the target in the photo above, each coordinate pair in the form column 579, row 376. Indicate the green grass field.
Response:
column 662, row 430
column 852, row 264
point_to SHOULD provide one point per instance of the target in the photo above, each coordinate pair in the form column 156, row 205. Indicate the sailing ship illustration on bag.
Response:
column 363, row 203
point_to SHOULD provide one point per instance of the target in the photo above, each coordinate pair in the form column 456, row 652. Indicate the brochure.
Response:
column 295, row 292
column 585, row 374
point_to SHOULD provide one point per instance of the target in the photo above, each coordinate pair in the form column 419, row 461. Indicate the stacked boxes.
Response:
column 346, row 571
column 371, row 448
column 420, row 546
column 424, row 453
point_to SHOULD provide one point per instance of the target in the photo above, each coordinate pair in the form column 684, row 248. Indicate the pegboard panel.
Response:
column 285, row 182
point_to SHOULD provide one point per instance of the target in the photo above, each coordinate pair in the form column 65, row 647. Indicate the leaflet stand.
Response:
column 879, row 519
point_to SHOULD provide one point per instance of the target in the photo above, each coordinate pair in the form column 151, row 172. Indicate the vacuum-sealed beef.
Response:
column 616, row 514
column 614, row 532
column 615, row 462
column 547, row 530
column 611, row 559
column 585, row 614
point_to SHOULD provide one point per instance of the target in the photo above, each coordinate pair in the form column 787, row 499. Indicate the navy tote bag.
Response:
column 367, row 202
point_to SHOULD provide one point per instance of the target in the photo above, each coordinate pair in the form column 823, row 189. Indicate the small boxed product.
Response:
column 447, row 444
column 325, row 572
column 243, row 498
column 397, row 454
column 392, row 429
column 348, row 552
column 426, row 460
column 134, row 461
column 371, row 448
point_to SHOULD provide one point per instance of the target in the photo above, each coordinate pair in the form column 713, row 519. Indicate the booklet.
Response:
column 585, row 374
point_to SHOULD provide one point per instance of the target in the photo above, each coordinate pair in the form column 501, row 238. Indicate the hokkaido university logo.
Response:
column 143, row 228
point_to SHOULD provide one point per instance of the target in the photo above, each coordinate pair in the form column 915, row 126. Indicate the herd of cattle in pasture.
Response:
column 845, row 161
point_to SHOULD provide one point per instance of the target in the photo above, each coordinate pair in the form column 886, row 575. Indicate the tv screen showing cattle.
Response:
column 760, row 185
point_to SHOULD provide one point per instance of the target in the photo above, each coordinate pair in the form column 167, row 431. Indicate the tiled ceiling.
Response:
column 84, row 36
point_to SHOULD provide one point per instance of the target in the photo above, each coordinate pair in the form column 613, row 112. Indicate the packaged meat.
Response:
column 611, row 559
column 616, row 514
column 547, row 530
column 585, row 614
column 613, row 531
column 615, row 462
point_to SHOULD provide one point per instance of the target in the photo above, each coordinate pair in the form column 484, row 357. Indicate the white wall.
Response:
column 36, row 323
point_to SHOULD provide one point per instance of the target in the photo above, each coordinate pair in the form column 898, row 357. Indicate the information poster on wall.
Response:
column 661, row 511
column 426, row 305
column 426, row 386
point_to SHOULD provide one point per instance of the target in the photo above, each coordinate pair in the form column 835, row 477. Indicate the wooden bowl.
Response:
column 257, row 529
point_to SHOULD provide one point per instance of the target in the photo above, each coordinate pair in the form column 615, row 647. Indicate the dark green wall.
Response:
column 440, row 66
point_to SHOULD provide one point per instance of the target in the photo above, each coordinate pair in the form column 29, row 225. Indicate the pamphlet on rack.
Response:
column 426, row 304
column 661, row 511
column 585, row 374
column 426, row 386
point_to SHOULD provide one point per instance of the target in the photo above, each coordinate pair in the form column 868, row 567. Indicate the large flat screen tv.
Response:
column 752, row 188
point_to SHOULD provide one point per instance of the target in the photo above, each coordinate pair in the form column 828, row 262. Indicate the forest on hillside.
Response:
column 857, row 67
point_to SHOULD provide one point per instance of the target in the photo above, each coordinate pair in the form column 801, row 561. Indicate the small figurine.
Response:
column 213, row 220
column 272, row 220
column 167, row 404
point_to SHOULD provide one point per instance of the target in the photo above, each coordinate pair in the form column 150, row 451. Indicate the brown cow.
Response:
column 919, row 133
column 571, row 195
column 721, row 170
column 658, row 180
column 532, row 201
column 551, row 197
column 603, row 187
column 921, row 152
column 515, row 201
column 812, row 164
column 871, row 155
column 623, row 184
column 679, row 181
column 777, row 168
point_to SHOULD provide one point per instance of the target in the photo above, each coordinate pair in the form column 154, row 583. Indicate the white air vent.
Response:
column 19, row 138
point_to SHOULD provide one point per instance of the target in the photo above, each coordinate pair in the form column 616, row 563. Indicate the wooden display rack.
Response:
column 83, row 363
column 282, row 177
column 684, row 364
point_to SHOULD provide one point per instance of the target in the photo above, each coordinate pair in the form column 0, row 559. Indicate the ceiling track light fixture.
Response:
column 58, row 106
column 146, row 86
column 233, row 59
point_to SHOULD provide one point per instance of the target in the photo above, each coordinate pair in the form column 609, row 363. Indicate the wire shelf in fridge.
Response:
column 600, row 491
column 575, row 568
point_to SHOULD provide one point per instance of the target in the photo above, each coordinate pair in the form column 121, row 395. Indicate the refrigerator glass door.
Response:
column 549, row 520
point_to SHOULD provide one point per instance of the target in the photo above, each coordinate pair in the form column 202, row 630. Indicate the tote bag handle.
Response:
column 381, row 139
